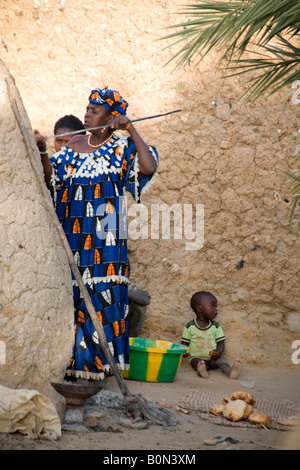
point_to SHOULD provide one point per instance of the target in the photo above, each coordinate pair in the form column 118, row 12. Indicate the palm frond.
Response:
column 268, row 27
column 232, row 25
column 279, row 67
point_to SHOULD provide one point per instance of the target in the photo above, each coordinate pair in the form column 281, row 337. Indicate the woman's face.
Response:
column 60, row 142
column 95, row 116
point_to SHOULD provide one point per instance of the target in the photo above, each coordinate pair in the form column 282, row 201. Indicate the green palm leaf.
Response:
column 266, row 29
column 279, row 67
column 233, row 24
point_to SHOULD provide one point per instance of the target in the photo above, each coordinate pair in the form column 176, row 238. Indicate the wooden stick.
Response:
column 109, row 125
column 97, row 324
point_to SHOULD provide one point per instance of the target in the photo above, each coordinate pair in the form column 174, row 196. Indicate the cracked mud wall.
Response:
column 216, row 152
column 36, row 317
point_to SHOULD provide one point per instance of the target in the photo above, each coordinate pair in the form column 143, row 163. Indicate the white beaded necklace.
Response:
column 98, row 145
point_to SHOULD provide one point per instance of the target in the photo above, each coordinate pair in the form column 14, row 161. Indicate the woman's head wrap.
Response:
column 110, row 99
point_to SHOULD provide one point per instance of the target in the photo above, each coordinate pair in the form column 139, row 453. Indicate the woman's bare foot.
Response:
column 235, row 369
column 201, row 370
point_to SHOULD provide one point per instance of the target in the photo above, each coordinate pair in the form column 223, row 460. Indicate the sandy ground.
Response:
column 191, row 431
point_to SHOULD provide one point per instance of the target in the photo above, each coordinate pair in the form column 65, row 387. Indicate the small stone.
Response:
column 139, row 425
column 164, row 404
column 125, row 422
column 248, row 384
column 210, row 442
column 224, row 144
column 93, row 418
column 288, row 420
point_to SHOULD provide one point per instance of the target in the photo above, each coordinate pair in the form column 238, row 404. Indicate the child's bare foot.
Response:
column 201, row 370
column 235, row 369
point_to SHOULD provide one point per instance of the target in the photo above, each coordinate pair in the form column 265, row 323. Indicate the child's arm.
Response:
column 185, row 343
column 220, row 349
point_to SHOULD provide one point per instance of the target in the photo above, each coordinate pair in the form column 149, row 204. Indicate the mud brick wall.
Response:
column 217, row 152
column 36, row 312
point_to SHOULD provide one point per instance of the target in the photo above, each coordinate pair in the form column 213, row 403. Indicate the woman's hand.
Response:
column 122, row 123
column 147, row 164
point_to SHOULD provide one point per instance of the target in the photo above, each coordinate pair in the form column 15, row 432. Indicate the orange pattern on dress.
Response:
column 99, row 317
column 116, row 328
column 65, row 195
column 122, row 326
column 98, row 363
column 76, row 227
column 111, row 270
column 109, row 208
column 97, row 259
column 81, row 317
column 97, row 191
column 88, row 243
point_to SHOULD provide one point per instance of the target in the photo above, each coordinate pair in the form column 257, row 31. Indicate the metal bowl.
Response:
column 77, row 394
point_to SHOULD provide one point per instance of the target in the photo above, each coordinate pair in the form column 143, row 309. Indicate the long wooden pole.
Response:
column 97, row 324
column 109, row 125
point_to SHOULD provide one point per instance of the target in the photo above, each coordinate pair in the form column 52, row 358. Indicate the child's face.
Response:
column 207, row 308
column 62, row 141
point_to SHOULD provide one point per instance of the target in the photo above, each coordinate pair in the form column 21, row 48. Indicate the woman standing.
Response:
column 89, row 176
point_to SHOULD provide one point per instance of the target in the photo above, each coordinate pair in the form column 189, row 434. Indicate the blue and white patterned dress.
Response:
column 90, row 203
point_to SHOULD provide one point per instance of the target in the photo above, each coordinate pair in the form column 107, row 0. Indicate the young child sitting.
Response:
column 206, row 339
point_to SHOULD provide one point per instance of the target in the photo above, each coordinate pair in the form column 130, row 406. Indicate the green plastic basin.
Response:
column 153, row 360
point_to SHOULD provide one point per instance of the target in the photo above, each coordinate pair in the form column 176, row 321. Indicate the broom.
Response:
column 136, row 405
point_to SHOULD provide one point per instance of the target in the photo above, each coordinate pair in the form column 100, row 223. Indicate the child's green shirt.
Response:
column 202, row 340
